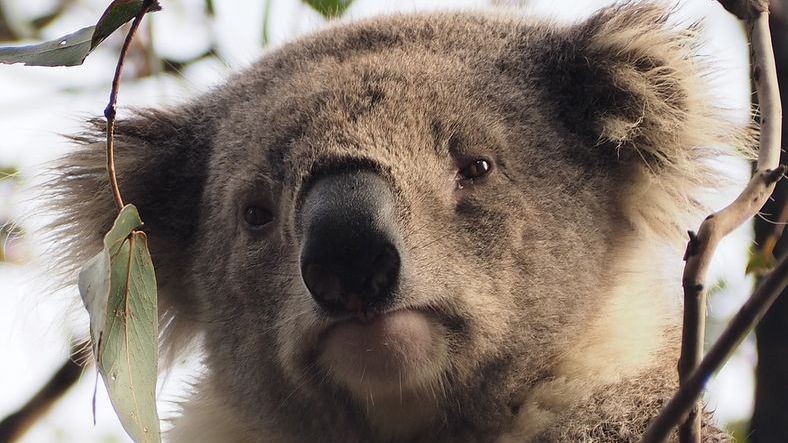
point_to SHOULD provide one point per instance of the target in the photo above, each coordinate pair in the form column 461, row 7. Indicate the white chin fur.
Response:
column 392, row 352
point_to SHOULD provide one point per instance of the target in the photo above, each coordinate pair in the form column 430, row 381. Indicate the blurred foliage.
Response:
column 72, row 49
column 739, row 429
column 718, row 287
column 714, row 325
column 143, row 59
column 761, row 260
column 6, row 32
column 9, row 173
column 10, row 231
column 329, row 8
column 10, row 31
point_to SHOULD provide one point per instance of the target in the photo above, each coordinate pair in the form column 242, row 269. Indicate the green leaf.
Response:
column 72, row 49
column 69, row 50
column 118, row 288
column 329, row 8
column 117, row 13
column 760, row 263
column 94, row 288
column 9, row 173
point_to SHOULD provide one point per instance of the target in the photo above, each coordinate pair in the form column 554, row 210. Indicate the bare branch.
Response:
column 701, row 246
column 110, row 110
column 748, row 316
column 700, row 250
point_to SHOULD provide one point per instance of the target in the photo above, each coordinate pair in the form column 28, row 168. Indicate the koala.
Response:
column 451, row 227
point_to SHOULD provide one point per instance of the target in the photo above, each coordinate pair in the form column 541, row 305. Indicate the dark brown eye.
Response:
column 476, row 169
column 257, row 217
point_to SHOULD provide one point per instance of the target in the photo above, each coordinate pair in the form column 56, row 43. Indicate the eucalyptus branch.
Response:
column 693, row 373
column 110, row 110
column 748, row 316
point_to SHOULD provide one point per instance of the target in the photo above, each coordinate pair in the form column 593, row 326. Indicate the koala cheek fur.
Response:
column 445, row 228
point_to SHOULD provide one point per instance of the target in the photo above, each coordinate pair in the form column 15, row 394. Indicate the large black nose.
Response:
column 350, row 261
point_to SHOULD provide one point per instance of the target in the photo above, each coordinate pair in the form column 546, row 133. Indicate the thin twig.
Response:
column 701, row 246
column 110, row 110
column 693, row 327
column 748, row 316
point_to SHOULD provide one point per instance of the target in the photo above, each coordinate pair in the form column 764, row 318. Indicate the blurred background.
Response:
column 188, row 48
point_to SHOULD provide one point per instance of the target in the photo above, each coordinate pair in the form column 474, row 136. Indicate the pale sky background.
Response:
column 39, row 104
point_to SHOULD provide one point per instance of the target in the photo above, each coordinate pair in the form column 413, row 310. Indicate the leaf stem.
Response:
column 110, row 110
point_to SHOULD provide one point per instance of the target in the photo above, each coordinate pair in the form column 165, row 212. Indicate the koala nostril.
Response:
column 322, row 283
column 352, row 283
column 384, row 270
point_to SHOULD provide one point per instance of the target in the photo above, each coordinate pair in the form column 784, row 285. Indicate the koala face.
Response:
column 391, row 230
column 420, row 223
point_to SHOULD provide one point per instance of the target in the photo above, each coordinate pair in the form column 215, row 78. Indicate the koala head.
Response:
column 448, row 222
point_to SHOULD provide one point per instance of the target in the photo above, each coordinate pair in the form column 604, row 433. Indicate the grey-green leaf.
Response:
column 72, row 49
column 117, row 13
column 93, row 286
column 329, row 8
column 118, row 287
column 69, row 50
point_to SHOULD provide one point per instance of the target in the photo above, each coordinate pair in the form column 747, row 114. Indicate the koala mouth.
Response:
column 384, row 352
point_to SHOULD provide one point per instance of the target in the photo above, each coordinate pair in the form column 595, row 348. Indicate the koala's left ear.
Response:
column 626, row 80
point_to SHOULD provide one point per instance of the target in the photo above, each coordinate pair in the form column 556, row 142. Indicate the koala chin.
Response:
column 448, row 227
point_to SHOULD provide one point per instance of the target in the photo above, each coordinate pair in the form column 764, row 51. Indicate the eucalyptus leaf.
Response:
column 93, row 286
column 72, row 49
column 329, row 8
column 118, row 288
column 69, row 50
column 117, row 13
column 761, row 262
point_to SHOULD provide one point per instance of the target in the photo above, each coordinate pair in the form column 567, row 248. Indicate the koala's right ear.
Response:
column 629, row 80
column 631, row 85
column 161, row 161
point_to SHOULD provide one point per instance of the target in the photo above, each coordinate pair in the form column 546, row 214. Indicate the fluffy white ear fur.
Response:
column 642, row 83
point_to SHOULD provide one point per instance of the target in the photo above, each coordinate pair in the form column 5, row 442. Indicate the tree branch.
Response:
column 748, row 316
column 701, row 246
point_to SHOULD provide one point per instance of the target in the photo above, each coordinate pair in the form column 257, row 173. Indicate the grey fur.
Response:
column 546, row 278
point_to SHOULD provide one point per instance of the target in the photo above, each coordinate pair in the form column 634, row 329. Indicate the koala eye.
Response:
column 257, row 217
column 476, row 169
